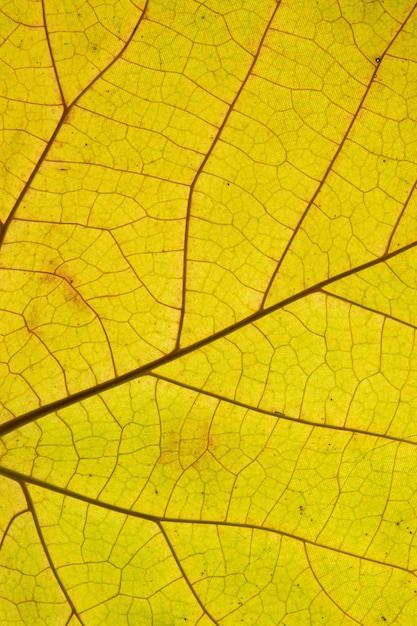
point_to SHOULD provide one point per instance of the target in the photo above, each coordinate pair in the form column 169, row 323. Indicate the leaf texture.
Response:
column 208, row 295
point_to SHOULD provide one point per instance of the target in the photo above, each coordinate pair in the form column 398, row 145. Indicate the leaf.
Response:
column 208, row 366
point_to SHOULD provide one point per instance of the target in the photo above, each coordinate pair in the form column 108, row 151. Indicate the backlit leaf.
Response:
column 208, row 296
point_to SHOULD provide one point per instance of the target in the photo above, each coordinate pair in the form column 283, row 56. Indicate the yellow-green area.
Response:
column 208, row 312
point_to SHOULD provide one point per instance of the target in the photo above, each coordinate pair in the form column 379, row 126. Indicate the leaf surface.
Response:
column 208, row 270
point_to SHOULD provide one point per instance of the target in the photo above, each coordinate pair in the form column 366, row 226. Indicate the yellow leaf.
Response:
column 208, row 288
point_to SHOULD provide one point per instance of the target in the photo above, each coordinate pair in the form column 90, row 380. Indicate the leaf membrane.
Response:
column 207, row 294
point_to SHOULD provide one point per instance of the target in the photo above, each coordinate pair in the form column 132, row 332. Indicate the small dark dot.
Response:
column 378, row 59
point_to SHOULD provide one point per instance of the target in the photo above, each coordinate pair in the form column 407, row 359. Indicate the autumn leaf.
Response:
column 208, row 295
